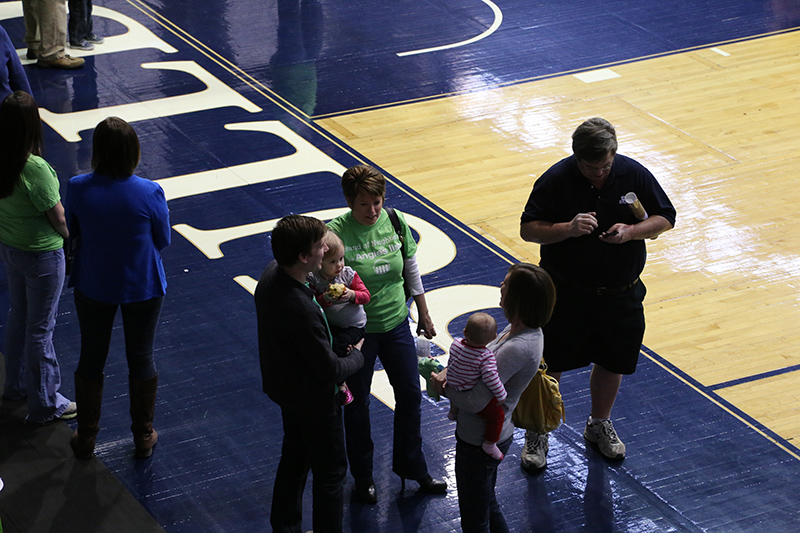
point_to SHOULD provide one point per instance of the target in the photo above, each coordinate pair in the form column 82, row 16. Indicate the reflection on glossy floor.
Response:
column 722, row 300
column 248, row 110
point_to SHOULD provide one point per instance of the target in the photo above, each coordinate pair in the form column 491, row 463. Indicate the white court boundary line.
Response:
column 498, row 19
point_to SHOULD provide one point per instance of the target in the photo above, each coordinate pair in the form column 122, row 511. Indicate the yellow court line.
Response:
column 292, row 110
column 550, row 76
column 724, row 407
column 280, row 102
column 236, row 71
column 219, row 59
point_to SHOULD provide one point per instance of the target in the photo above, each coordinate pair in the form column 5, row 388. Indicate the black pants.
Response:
column 344, row 337
column 317, row 444
column 139, row 322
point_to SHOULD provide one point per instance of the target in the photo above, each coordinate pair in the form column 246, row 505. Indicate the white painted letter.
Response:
column 216, row 95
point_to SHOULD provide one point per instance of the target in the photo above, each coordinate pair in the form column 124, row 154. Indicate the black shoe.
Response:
column 428, row 485
column 364, row 491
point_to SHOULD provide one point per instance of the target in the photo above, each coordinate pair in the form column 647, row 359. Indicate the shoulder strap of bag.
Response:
column 398, row 228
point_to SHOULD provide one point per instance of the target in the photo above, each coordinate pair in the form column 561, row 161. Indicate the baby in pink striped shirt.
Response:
column 471, row 361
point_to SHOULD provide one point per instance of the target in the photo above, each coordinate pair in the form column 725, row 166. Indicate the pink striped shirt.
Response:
column 468, row 364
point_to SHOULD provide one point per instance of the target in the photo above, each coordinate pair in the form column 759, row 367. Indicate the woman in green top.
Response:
column 32, row 233
column 374, row 250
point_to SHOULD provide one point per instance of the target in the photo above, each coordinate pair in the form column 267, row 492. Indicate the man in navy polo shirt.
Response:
column 593, row 246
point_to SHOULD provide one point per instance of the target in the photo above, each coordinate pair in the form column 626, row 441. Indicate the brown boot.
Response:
column 143, row 406
column 89, row 392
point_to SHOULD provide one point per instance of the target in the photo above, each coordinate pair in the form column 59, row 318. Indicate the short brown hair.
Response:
column 294, row 235
column 115, row 148
column 363, row 178
column 530, row 295
column 594, row 139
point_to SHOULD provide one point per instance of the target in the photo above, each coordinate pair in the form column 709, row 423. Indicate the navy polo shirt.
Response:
column 562, row 192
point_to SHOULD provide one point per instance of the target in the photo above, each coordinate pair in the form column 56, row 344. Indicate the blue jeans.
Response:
column 80, row 20
column 35, row 280
column 476, row 476
column 399, row 359
column 139, row 323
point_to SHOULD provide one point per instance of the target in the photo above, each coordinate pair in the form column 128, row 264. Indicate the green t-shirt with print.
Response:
column 375, row 253
column 23, row 222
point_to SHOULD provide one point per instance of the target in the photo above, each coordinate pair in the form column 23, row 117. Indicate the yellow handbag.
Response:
column 540, row 406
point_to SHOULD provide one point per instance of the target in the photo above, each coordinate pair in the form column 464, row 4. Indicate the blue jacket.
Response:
column 119, row 227
column 12, row 75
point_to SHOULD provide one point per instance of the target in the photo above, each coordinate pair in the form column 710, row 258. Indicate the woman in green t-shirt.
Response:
column 375, row 251
column 32, row 233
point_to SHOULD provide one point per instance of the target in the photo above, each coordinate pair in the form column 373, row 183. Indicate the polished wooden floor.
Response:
column 719, row 129
column 249, row 110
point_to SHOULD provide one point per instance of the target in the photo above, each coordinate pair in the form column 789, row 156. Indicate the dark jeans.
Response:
column 476, row 476
column 80, row 20
column 344, row 337
column 399, row 358
column 139, row 322
column 313, row 443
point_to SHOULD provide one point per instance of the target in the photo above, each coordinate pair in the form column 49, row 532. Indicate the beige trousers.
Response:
column 46, row 27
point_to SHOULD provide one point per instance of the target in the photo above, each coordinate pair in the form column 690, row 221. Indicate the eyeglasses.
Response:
column 596, row 169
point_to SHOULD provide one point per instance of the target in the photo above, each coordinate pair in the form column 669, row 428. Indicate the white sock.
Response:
column 593, row 420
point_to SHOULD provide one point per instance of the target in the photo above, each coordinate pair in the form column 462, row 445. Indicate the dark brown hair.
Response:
column 530, row 295
column 20, row 136
column 115, row 148
column 294, row 235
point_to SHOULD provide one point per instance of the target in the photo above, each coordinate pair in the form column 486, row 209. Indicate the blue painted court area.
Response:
column 332, row 57
column 694, row 464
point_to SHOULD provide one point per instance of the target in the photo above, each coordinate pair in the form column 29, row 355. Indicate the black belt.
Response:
column 608, row 291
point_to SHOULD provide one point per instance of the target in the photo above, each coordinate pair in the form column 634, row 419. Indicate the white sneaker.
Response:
column 534, row 456
column 70, row 413
column 602, row 435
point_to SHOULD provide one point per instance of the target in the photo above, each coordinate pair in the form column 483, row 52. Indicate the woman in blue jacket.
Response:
column 119, row 223
column 12, row 75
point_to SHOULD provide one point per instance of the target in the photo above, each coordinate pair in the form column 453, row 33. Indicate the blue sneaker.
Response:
column 81, row 45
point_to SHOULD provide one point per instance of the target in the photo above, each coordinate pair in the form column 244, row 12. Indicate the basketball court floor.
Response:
column 250, row 110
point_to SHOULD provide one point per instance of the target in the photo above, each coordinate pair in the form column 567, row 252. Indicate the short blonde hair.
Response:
column 333, row 242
